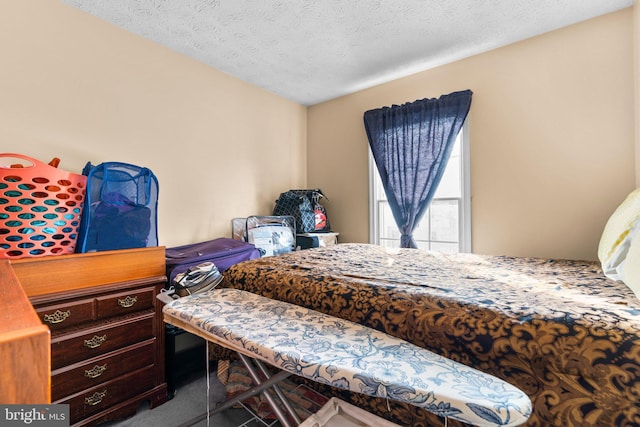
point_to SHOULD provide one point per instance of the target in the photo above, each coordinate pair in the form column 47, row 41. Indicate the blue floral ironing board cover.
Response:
column 349, row 356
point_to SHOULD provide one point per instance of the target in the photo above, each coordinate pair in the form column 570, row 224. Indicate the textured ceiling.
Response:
column 310, row 51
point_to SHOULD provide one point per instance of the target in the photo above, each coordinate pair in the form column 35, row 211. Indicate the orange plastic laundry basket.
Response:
column 40, row 208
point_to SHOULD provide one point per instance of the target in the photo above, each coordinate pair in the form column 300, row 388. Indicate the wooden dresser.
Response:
column 107, row 339
column 24, row 345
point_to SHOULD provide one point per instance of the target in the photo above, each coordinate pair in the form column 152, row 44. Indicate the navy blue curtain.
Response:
column 411, row 145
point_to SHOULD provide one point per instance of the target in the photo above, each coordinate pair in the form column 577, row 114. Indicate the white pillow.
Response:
column 631, row 266
column 618, row 234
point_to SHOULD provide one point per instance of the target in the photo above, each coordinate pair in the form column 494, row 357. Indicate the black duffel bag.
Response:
column 305, row 207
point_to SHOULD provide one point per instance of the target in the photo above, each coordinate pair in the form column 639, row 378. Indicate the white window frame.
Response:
column 465, row 214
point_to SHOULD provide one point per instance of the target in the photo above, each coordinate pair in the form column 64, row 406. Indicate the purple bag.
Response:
column 223, row 252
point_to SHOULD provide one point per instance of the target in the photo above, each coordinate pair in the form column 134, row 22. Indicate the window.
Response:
column 446, row 226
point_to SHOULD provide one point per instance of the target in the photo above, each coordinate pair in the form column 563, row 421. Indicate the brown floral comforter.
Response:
column 559, row 330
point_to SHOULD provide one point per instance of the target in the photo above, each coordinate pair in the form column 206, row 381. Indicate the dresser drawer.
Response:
column 124, row 303
column 60, row 316
column 103, row 396
column 72, row 379
column 71, row 348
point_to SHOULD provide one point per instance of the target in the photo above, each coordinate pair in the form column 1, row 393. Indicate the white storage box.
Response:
column 338, row 413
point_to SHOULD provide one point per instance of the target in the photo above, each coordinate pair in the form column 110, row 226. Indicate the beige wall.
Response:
column 552, row 139
column 551, row 124
column 636, row 51
column 83, row 90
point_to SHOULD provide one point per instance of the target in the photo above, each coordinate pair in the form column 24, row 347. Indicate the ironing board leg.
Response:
column 285, row 401
column 239, row 398
column 251, row 392
column 274, row 405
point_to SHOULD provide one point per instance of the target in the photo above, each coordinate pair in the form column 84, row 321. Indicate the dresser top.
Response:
column 56, row 273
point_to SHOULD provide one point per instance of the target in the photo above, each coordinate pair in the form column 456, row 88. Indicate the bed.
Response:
column 559, row 330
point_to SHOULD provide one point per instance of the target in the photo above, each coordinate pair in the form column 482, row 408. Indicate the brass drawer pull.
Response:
column 95, row 398
column 95, row 342
column 96, row 371
column 57, row 317
column 127, row 302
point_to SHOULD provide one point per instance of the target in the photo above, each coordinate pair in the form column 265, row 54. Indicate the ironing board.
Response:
column 346, row 355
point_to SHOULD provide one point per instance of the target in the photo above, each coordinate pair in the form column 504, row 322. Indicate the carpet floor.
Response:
column 190, row 401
